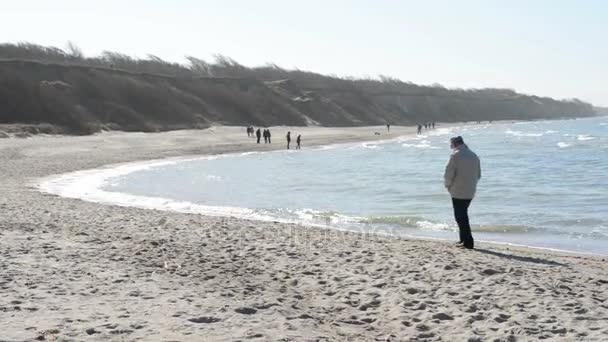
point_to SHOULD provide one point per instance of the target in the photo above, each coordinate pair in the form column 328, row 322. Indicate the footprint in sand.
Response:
column 422, row 327
column 490, row 272
column 412, row 290
column 91, row 331
column 442, row 316
column 472, row 308
column 502, row 318
column 372, row 304
column 203, row 319
column 246, row 310
column 477, row 317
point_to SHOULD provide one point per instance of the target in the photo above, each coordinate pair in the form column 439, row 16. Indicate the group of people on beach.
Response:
column 298, row 141
column 426, row 125
column 258, row 134
column 252, row 132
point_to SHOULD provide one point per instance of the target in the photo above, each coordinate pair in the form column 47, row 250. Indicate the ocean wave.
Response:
column 213, row 177
column 371, row 146
column 406, row 221
column 425, row 224
column 562, row 144
column 523, row 134
column 249, row 153
column 422, row 144
column 327, row 218
column 583, row 137
column 326, row 147
column 88, row 185
column 442, row 131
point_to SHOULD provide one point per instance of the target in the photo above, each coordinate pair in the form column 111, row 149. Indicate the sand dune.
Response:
column 73, row 270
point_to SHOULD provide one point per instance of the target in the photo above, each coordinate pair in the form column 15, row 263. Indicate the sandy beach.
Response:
column 74, row 270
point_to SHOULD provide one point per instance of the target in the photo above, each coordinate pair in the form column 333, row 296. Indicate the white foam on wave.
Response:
column 427, row 134
column 433, row 225
column 312, row 216
column 325, row 147
column 249, row 153
column 88, row 185
column 442, row 131
column 584, row 137
column 523, row 134
column 422, row 145
column 371, row 146
column 562, row 144
column 214, row 178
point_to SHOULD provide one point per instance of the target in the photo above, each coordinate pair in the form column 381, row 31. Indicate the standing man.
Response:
column 288, row 139
column 461, row 176
column 298, row 141
column 269, row 135
column 258, row 134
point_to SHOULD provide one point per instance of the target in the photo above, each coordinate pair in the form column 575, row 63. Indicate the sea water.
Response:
column 544, row 184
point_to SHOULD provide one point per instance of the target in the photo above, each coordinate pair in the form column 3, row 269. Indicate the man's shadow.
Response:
column 521, row 258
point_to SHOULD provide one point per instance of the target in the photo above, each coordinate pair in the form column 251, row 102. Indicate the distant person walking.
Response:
column 298, row 140
column 419, row 129
column 288, row 139
column 258, row 134
column 388, row 127
column 269, row 135
column 265, row 134
column 461, row 176
column 248, row 132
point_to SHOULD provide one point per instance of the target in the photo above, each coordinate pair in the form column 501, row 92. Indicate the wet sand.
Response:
column 73, row 270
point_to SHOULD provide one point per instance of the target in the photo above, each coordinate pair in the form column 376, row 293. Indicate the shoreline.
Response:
column 80, row 270
column 50, row 185
column 55, row 185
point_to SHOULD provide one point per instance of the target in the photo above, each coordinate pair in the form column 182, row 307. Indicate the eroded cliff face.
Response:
column 83, row 99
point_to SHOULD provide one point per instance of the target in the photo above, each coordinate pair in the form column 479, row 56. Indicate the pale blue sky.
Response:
column 552, row 48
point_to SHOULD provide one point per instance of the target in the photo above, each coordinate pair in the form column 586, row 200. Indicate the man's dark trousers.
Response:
column 461, row 208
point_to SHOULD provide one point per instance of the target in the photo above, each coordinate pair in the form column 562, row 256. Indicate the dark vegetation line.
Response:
column 62, row 91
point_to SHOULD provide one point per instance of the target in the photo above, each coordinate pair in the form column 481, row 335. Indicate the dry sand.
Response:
column 72, row 270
